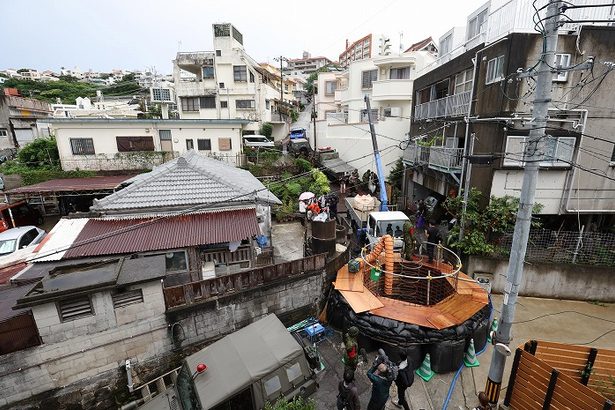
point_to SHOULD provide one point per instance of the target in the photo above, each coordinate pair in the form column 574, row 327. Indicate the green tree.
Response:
column 298, row 403
column 40, row 152
column 266, row 129
column 396, row 177
column 484, row 226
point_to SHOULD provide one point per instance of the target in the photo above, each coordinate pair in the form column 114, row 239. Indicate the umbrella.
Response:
column 306, row 195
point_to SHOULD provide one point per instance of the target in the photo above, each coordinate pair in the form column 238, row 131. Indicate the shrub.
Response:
column 266, row 129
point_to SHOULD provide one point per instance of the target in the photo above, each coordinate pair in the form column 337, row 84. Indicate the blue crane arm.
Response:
column 383, row 192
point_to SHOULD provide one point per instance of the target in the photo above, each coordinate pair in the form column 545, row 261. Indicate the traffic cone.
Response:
column 494, row 328
column 425, row 371
column 469, row 359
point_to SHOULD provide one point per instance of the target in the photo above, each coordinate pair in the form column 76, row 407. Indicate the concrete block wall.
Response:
column 216, row 319
column 88, row 347
column 550, row 280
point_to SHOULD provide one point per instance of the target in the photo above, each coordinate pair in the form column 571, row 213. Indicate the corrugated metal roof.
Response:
column 73, row 184
column 108, row 237
column 8, row 296
column 187, row 181
column 60, row 238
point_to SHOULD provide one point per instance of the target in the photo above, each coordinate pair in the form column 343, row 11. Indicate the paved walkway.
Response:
column 287, row 241
column 544, row 319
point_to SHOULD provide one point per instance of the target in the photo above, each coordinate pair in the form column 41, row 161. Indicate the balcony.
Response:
column 392, row 90
column 443, row 159
column 456, row 105
column 341, row 95
column 195, row 88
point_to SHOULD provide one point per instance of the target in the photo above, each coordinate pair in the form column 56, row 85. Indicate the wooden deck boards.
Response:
column 349, row 281
column 361, row 301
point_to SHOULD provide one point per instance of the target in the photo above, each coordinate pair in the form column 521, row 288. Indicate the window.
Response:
column 402, row 73
column 365, row 118
column 244, row 104
column 477, row 24
column 27, row 238
column 165, row 135
column 161, row 94
column 224, row 144
column 176, row 261
column 267, row 104
column 495, row 70
column 4, row 132
column 562, row 60
column 272, row 386
column 240, row 73
column 251, row 77
column 82, row 146
column 221, row 85
column 75, row 308
column 368, row 77
column 392, row 112
column 558, row 151
column 190, row 103
column 218, row 53
column 189, row 144
column 613, row 157
column 208, row 71
column 463, row 81
column 293, row 372
column 203, row 144
column 208, row 102
column 223, row 104
column 329, row 87
column 125, row 298
column 130, row 144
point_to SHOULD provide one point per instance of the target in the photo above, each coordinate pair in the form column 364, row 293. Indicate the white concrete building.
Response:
column 124, row 144
column 226, row 84
column 342, row 121
column 84, row 107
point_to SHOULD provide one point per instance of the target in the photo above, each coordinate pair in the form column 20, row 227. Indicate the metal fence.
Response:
column 590, row 248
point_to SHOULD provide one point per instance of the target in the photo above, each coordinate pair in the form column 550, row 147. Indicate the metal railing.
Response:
column 439, row 158
column 452, row 106
column 544, row 245
column 209, row 289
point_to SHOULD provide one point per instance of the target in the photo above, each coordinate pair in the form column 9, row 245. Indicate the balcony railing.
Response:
column 452, row 106
column 438, row 158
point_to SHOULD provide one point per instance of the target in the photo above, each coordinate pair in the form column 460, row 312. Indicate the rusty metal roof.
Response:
column 73, row 184
column 109, row 237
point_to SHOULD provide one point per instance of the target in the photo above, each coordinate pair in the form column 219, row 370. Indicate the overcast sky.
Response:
column 135, row 34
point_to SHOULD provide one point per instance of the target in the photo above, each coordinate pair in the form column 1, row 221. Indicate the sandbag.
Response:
column 447, row 356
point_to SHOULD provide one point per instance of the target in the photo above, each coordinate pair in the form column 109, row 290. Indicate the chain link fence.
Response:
column 544, row 245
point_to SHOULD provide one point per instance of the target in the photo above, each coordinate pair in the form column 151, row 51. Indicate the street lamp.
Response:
column 281, row 59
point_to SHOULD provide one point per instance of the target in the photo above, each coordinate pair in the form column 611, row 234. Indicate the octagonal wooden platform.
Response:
column 465, row 301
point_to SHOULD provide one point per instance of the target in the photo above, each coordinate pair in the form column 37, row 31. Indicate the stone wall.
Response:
column 550, row 280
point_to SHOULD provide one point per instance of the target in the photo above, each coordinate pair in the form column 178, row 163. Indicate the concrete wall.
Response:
column 354, row 140
column 557, row 281
column 105, row 145
column 215, row 319
column 549, row 187
column 88, row 347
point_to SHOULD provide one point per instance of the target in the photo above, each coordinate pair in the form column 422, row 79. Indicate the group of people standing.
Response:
column 383, row 373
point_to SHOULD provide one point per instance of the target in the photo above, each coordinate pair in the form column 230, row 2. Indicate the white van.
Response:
column 257, row 141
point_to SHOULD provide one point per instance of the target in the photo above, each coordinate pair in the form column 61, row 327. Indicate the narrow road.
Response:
column 304, row 121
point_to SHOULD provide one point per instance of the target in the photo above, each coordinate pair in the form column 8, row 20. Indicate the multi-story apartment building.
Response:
column 359, row 50
column 342, row 120
column 307, row 64
column 475, row 103
column 226, row 83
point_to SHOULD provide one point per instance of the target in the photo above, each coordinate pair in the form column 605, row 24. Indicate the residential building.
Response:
column 480, row 80
column 125, row 144
column 424, row 45
column 307, row 64
column 342, row 120
column 20, row 120
column 289, row 83
column 226, row 84
column 358, row 50
column 84, row 107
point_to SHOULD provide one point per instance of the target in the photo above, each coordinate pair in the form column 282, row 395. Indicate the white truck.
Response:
column 364, row 215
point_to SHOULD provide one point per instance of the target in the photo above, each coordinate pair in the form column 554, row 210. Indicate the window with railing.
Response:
column 558, row 151
column 208, row 102
column 82, row 146
column 134, row 144
column 190, row 103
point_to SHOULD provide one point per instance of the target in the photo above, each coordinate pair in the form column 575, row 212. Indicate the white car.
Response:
column 257, row 141
column 14, row 239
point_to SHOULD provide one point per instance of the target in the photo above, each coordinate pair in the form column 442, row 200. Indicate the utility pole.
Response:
column 281, row 59
column 466, row 187
column 532, row 155
column 314, row 119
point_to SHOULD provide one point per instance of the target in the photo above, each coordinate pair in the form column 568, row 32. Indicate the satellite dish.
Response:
column 503, row 349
